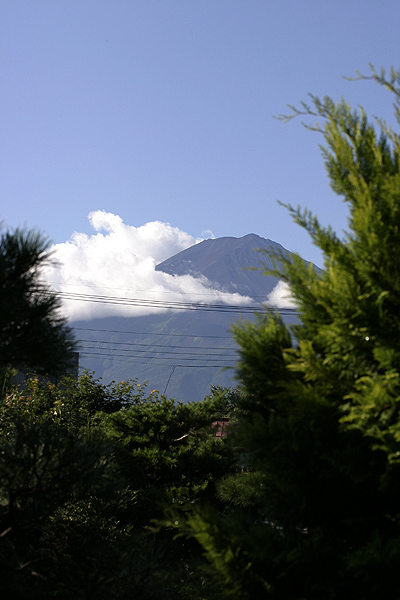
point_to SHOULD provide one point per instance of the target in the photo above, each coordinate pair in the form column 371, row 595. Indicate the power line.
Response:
column 132, row 356
column 112, row 343
column 186, row 356
column 147, row 291
column 164, row 305
column 156, row 349
column 219, row 356
column 225, row 337
column 283, row 312
column 110, row 352
column 160, row 304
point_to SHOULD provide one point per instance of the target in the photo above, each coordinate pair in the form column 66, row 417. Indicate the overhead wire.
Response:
column 132, row 350
column 147, row 291
column 153, row 352
column 202, row 358
column 163, row 304
column 113, row 343
column 194, row 335
column 184, row 355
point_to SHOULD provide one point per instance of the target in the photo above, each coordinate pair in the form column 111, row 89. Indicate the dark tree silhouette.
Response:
column 33, row 334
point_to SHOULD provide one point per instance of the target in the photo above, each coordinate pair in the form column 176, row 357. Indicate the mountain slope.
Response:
column 226, row 262
column 182, row 353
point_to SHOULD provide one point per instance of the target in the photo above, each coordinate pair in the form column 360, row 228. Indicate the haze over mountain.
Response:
column 186, row 350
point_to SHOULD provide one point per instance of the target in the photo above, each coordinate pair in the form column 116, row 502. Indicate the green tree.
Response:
column 85, row 469
column 33, row 334
column 320, row 418
column 55, row 486
column 169, row 452
column 170, row 458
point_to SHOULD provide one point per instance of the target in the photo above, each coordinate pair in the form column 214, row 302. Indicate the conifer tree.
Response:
column 33, row 333
column 320, row 417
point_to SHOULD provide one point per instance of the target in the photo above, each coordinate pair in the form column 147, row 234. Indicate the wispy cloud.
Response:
column 281, row 296
column 207, row 234
column 119, row 261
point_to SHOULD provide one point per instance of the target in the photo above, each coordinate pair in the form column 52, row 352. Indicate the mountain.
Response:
column 183, row 353
column 226, row 262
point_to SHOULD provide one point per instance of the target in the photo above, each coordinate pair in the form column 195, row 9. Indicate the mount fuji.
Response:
column 185, row 351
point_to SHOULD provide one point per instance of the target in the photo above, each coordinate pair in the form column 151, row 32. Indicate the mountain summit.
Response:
column 228, row 263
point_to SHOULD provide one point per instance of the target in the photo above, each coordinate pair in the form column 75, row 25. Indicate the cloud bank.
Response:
column 118, row 261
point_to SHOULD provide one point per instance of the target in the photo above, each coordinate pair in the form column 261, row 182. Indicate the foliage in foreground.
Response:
column 320, row 417
column 84, row 471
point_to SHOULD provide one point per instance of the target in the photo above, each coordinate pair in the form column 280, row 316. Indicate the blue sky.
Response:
column 162, row 110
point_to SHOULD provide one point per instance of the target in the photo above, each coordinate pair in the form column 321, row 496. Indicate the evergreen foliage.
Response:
column 33, row 334
column 320, row 415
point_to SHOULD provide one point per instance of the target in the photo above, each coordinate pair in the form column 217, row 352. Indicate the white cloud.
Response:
column 281, row 296
column 207, row 234
column 119, row 261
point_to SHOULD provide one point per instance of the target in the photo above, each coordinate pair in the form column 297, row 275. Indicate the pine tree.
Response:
column 33, row 334
column 320, row 417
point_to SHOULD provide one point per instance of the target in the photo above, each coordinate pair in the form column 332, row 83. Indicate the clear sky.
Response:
column 162, row 110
